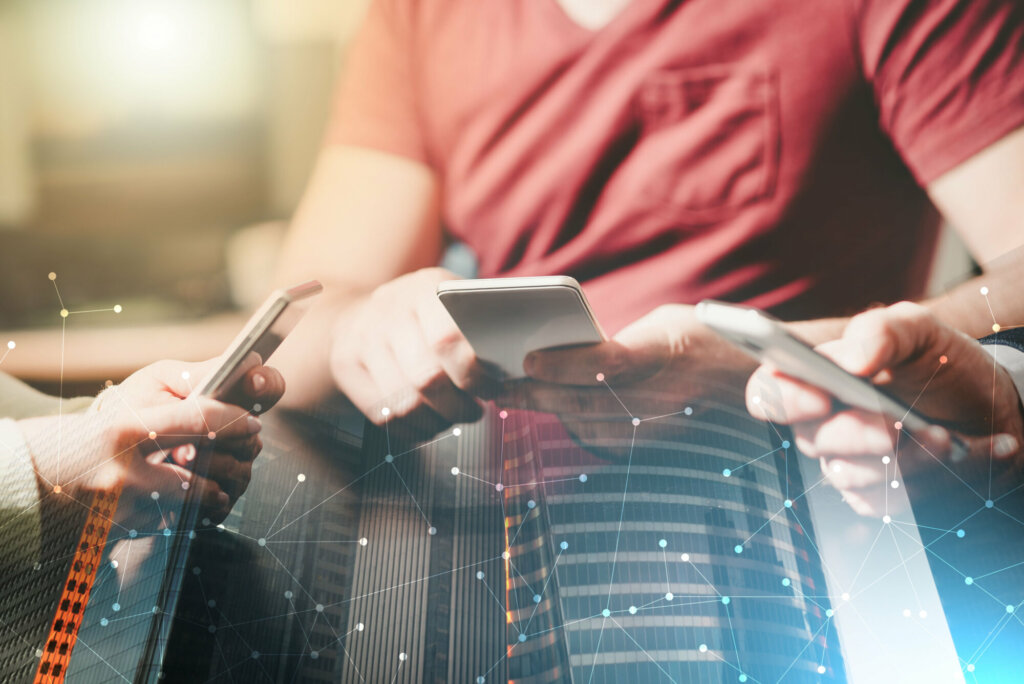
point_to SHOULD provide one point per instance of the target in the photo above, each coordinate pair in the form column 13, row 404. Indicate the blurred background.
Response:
column 151, row 152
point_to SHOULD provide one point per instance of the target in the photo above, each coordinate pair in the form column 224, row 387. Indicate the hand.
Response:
column 229, row 463
column 399, row 349
column 81, row 453
column 653, row 367
column 944, row 374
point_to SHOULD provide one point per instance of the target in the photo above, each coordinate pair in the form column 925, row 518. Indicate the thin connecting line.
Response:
column 618, row 533
column 417, row 503
column 605, row 383
column 642, row 650
column 283, row 506
column 921, row 393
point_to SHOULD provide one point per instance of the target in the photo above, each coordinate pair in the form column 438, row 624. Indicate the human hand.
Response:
column 127, row 446
column 653, row 368
column 946, row 377
column 399, row 349
column 229, row 460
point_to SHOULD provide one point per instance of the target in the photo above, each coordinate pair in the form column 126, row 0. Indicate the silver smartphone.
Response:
column 504, row 319
column 260, row 337
column 766, row 339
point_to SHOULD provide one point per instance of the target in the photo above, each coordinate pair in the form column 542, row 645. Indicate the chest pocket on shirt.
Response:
column 709, row 139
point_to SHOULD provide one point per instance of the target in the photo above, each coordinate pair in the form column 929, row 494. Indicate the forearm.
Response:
column 991, row 299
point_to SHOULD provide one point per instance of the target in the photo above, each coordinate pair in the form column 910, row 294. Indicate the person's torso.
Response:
column 707, row 148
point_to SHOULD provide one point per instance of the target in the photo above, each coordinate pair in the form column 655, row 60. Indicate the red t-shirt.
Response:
column 769, row 151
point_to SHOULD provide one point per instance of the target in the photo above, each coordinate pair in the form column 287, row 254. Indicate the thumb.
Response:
column 882, row 338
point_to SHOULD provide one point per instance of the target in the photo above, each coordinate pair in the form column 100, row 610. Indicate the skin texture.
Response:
column 145, row 435
column 369, row 225
column 946, row 376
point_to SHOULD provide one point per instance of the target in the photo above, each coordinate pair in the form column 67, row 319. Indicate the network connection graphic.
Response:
column 635, row 536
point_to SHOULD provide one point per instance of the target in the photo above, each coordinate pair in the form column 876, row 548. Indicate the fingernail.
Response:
column 189, row 452
column 1004, row 445
column 253, row 424
column 258, row 382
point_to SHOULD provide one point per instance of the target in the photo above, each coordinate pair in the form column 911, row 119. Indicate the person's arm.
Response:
column 367, row 217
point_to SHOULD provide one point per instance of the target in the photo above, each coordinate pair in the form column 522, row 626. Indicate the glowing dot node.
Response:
column 117, row 308
column 257, row 408
column 499, row 487
column 261, row 541
column 742, row 678
column 255, row 655
column 845, row 596
column 906, row 612
column 505, row 555
column 104, row 622
column 480, row 680
column 970, row 667
column 606, row 613
column 113, row 564
column 154, row 495
column 662, row 543
column 961, row 534
column 726, row 472
column 996, row 327
column 133, row 534
column 301, row 477
column 788, row 503
column 943, row 359
column 564, row 545
column 632, row 610
column 363, row 541
column 211, row 603
column 600, row 377
column 52, row 276
column 288, row 594
column 184, row 485
column 726, row 600
column 1010, row 608
column 503, row 414
column 685, row 557
column 385, row 412
column 688, row 411
column 480, row 574
column 57, row 489
column 990, row 503
column 755, row 399
column 457, row 431
column 522, row 637
column 152, row 435
column 886, row 519
column 11, row 345
column 313, row 655
column 923, row 614
column 455, row 470
column 389, row 458
column 319, row 607
column 531, row 504
column 786, row 581
column 895, row 484
column 886, row 460
column 360, row 627
column 898, row 425
column 536, row 598
column 703, row 648
column 211, row 435
column 635, row 421
column 669, row 596
column 431, row 530
column 738, row 548
column 583, row 477
column 829, row 612
column 403, row 656
column 167, row 531
column 821, row 669
column 64, row 313
column 984, row 291
column 116, row 607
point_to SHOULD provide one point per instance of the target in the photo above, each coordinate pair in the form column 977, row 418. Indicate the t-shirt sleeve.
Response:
column 375, row 104
column 948, row 76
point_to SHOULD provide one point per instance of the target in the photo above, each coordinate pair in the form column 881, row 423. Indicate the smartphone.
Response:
column 260, row 337
column 504, row 319
column 766, row 339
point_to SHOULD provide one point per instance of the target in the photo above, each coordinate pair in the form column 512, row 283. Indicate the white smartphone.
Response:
column 505, row 319
column 260, row 337
column 766, row 339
